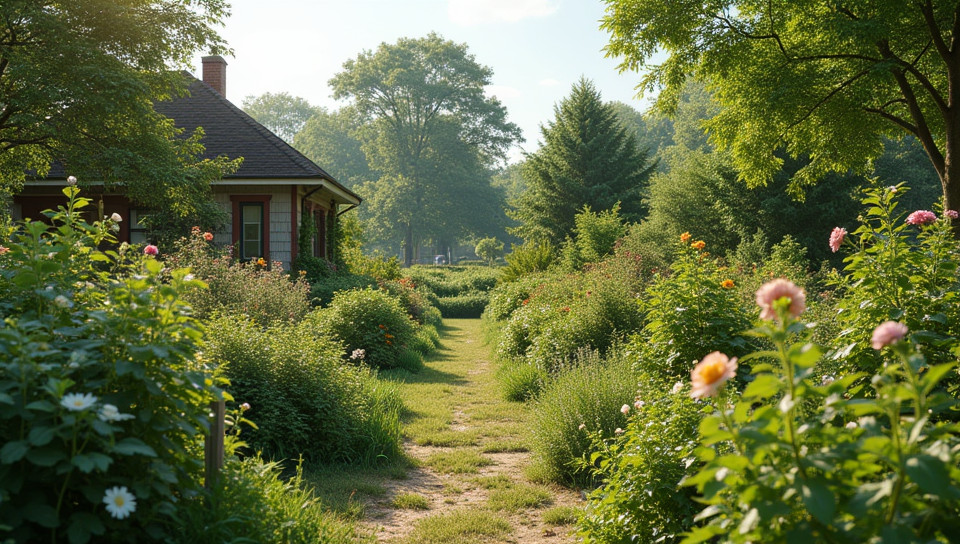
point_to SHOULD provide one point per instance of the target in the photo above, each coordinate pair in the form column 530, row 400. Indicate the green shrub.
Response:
column 451, row 281
column 489, row 249
column 377, row 266
column 263, row 293
column 508, row 297
column 470, row 305
column 101, row 385
column 415, row 301
column 367, row 319
column 410, row 360
column 303, row 399
column 639, row 498
column 432, row 318
column 521, row 380
column 251, row 502
column 589, row 393
column 594, row 237
column 527, row 259
column 322, row 292
column 425, row 340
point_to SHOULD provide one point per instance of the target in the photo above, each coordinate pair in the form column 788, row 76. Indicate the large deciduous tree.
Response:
column 332, row 140
column 587, row 158
column 821, row 79
column 425, row 102
column 282, row 113
column 77, row 84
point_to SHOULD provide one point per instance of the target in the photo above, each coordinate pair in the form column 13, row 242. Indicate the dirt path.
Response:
column 470, row 452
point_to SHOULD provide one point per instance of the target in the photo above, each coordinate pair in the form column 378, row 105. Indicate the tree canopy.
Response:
column 332, row 140
column 430, row 131
column 819, row 79
column 282, row 113
column 78, row 80
column 587, row 158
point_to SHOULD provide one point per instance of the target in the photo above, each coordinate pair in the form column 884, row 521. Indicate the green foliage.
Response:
column 323, row 291
column 521, row 380
column 594, row 237
column 460, row 291
column 640, row 473
column 589, row 393
column 507, row 297
column 901, row 272
column 282, row 113
column 370, row 320
column 266, row 295
column 808, row 77
column 377, row 266
column 792, row 458
column 527, row 259
column 589, row 159
column 79, row 82
column 101, row 383
column 489, row 249
column 470, row 305
column 251, row 502
column 433, row 139
column 692, row 310
column 417, row 301
column 304, row 399
column 331, row 139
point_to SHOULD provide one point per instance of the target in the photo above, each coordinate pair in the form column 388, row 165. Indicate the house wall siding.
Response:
column 279, row 221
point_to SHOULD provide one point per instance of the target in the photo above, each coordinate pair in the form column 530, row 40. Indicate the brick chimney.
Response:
column 215, row 73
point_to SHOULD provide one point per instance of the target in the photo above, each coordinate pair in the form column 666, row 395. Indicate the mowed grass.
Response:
column 459, row 527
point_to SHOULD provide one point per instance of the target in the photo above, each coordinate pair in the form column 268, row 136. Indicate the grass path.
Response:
column 464, row 481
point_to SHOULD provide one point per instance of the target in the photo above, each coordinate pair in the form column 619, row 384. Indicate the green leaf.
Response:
column 83, row 462
column 805, row 356
column 41, row 435
column 82, row 526
column 6, row 399
column 41, row 514
column 764, row 386
column 46, row 457
column 819, row 500
column 133, row 446
column 933, row 376
column 11, row 452
column 929, row 473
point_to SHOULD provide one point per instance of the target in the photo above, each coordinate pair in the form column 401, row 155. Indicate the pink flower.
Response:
column 4, row 249
column 151, row 250
column 888, row 333
column 836, row 238
column 779, row 288
column 245, row 406
column 625, row 409
column 208, row 236
column 952, row 214
column 710, row 373
column 921, row 217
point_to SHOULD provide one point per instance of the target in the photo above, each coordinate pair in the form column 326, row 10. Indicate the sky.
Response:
column 537, row 49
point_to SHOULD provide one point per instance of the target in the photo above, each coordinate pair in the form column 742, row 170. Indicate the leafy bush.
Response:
column 521, row 380
column 639, row 498
column 527, row 259
column 415, row 300
column 489, row 249
column 322, row 292
column 102, row 392
column 451, row 281
column 589, row 393
column 470, row 305
column 251, row 502
column 595, row 235
column 903, row 272
column 797, row 460
column 378, row 266
column 508, row 297
column 367, row 319
column 265, row 294
column 692, row 310
column 303, row 399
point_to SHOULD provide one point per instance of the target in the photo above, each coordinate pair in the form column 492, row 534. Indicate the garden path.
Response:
column 469, row 451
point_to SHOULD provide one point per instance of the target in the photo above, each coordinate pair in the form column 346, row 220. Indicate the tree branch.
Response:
column 942, row 49
column 899, row 121
column 827, row 98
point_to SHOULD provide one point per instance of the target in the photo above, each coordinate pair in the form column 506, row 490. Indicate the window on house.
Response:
column 251, row 230
column 138, row 231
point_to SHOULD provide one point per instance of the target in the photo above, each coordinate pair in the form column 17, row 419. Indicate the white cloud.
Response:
column 502, row 92
column 549, row 82
column 474, row 12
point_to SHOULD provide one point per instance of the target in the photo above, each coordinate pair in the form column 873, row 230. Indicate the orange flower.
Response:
column 525, row 301
column 566, row 308
column 261, row 262
column 208, row 236
column 727, row 284
column 389, row 343
column 698, row 245
column 684, row 237
column 710, row 373
column 388, row 335
column 382, row 327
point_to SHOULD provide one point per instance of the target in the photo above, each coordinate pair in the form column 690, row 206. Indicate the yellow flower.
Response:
column 261, row 262
column 698, row 245
column 727, row 284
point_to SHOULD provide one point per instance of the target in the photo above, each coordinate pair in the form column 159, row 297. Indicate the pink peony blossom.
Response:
column 710, row 373
column 921, row 217
column 774, row 290
column 625, row 409
column 952, row 214
column 836, row 238
column 151, row 250
column 888, row 333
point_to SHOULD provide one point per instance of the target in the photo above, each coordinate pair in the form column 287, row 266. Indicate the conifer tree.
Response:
column 587, row 158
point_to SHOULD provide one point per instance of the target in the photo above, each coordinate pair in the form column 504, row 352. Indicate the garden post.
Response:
column 213, row 451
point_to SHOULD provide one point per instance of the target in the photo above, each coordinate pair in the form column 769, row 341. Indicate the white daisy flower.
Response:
column 110, row 412
column 120, row 502
column 77, row 401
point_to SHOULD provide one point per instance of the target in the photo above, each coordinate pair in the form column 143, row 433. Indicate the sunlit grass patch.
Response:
column 457, row 462
column 410, row 501
column 561, row 515
column 498, row 481
column 505, row 446
column 519, row 497
column 460, row 527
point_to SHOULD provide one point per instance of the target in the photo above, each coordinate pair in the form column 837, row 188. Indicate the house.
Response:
column 265, row 199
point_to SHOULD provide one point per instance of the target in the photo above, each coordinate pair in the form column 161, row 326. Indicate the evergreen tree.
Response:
column 587, row 158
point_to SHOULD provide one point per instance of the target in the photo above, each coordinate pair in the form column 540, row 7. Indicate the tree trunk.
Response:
column 408, row 247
